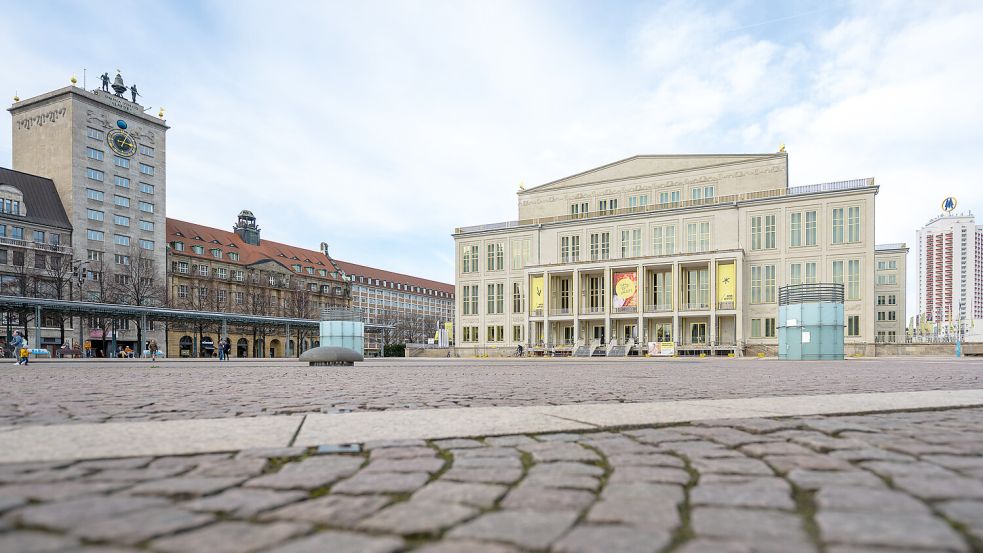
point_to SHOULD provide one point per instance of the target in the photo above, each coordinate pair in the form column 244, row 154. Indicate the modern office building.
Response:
column 891, row 262
column 415, row 307
column 688, row 250
column 237, row 272
column 106, row 158
column 950, row 273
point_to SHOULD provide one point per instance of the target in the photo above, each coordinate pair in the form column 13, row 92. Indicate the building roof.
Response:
column 284, row 254
column 650, row 165
column 192, row 234
column 389, row 276
column 890, row 247
column 41, row 198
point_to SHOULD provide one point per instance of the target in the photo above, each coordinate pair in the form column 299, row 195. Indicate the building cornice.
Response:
column 99, row 98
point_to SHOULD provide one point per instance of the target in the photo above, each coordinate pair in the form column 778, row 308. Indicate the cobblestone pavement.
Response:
column 846, row 484
column 118, row 390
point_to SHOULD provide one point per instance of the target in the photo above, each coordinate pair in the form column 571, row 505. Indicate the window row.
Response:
column 666, row 198
column 803, row 228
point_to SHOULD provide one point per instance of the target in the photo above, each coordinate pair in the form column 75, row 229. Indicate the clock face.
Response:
column 121, row 142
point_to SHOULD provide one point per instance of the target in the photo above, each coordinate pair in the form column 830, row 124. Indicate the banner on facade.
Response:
column 536, row 297
column 726, row 283
column 625, row 289
column 662, row 349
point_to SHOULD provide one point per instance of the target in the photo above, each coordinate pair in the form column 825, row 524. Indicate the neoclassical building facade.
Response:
column 688, row 250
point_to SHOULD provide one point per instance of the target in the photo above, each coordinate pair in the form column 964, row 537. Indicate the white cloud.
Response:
column 380, row 127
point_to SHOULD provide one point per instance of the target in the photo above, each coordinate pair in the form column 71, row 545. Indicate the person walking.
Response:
column 16, row 342
column 221, row 349
column 228, row 347
column 152, row 346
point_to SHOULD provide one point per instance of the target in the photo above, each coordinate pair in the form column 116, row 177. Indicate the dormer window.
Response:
column 11, row 200
column 178, row 246
column 198, row 249
column 296, row 268
column 234, row 256
column 217, row 253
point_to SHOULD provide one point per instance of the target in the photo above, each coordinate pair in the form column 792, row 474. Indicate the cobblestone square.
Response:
column 909, row 481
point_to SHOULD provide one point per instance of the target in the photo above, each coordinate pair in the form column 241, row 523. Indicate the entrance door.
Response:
column 599, row 334
column 631, row 332
column 698, row 333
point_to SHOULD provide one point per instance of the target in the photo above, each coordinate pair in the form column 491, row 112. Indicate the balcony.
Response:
column 695, row 306
column 536, row 313
column 726, row 305
column 588, row 310
column 658, row 308
column 40, row 246
column 561, row 312
column 625, row 309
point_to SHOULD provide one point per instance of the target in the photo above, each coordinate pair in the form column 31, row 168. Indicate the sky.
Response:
column 379, row 127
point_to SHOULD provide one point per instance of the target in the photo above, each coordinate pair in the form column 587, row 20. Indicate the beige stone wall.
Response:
column 649, row 176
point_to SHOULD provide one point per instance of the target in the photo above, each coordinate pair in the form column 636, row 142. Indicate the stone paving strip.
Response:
column 92, row 441
column 908, row 482
column 118, row 390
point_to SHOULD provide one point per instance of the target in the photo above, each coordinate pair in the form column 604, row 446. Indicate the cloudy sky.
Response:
column 380, row 126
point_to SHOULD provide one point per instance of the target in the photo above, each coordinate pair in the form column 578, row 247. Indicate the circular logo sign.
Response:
column 625, row 288
column 949, row 204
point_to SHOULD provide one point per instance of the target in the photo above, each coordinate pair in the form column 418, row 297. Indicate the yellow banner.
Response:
column 726, row 283
column 537, row 299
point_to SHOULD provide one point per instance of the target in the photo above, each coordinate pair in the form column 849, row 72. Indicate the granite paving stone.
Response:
column 402, row 452
column 64, row 515
column 309, row 473
column 342, row 511
column 900, row 530
column 133, row 528
column 465, row 546
column 467, row 493
column 229, row 537
column 487, row 475
column 931, row 488
column 590, row 538
column 525, row 528
column 509, row 441
column 58, row 490
column 546, row 499
column 35, row 542
column 644, row 460
column 230, row 467
column 757, row 525
column 244, row 502
column 417, row 517
column 646, row 512
column 740, row 465
column 849, row 498
column 785, row 463
column 488, row 462
column 458, row 443
column 815, row 479
column 559, row 451
column 650, row 474
column 429, row 465
column 323, row 542
column 763, row 493
column 185, row 486
column 382, row 482
column 643, row 490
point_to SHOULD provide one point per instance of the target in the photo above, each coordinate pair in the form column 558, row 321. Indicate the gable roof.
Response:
column 284, row 255
column 41, row 198
column 389, row 276
column 648, row 165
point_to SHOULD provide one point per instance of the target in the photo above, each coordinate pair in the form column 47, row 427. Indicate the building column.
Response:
column 677, row 301
column 547, row 304
column 712, row 288
column 575, row 305
column 640, row 301
column 739, row 305
column 606, row 298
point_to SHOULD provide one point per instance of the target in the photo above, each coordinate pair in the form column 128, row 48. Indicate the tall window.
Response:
column 811, row 273
column 811, row 228
column 853, row 325
column 600, row 246
column 520, row 253
column 496, row 299
column 838, row 225
column 469, row 299
column 770, row 232
column 770, row 327
column 795, row 229
column 770, row 284
column 664, row 240
column 756, row 233
column 518, row 298
column 795, row 273
column 838, row 272
column 469, row 259
column 662, row 290
column 853, row 280
column 570, row 249
column 697, row 288
column 496, row 257
column 579, row 209
column 853, row 224
column 756, row 280
column 670, row 196
column 631, row 243
column 698, row 237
